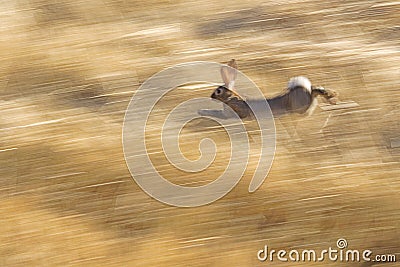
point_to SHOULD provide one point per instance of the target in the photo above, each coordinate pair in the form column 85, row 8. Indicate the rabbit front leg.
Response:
column 221, row 114
column 225, row 113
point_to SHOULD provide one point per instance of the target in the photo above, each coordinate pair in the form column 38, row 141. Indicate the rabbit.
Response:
column 300, row 97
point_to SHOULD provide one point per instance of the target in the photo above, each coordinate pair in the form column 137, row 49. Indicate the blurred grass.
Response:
column 68, row 71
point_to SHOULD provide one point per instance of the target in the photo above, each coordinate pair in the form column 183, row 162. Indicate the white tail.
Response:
column 299, row 81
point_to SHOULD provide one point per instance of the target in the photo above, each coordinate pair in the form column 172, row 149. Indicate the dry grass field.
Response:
column 69, row 69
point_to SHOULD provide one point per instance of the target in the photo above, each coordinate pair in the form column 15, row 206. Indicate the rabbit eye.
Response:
column 218, row 91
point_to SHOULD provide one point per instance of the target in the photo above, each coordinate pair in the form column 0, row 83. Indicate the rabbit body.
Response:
column 300, row 97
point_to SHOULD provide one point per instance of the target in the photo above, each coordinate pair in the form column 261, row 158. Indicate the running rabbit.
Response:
column 300, row 97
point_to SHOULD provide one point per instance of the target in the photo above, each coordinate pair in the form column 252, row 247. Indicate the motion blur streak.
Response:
column 69, row 68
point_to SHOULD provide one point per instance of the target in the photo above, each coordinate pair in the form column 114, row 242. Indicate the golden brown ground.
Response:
column 68, row 70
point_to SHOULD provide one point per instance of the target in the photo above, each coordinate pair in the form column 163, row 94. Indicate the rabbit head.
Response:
column 222, row 94
column 226, row 92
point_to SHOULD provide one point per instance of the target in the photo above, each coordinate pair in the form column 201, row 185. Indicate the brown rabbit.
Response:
column 300, row 97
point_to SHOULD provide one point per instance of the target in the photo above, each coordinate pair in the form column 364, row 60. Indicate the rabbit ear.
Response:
column 229, row 74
